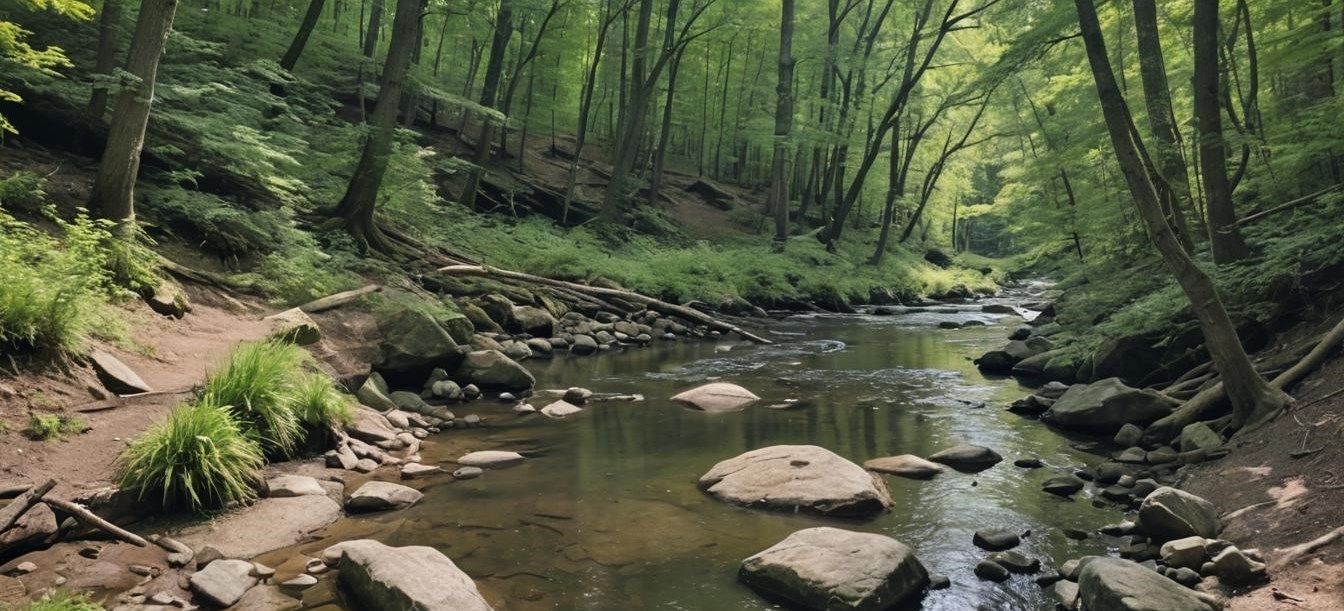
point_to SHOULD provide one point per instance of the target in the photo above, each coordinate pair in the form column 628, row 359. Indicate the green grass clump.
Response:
column 61, row 600
column 257, row 385
column 199, row 457
column 318, row 403
column 51, row 427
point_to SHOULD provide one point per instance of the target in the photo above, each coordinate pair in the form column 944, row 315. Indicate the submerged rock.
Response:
column 491, row 459
column 1110, row 584
column 833, row 569
column 1063, row 485
column 382, row 496
column 419, row 578
column 717, row 397
column 1107, row 405
column 793, row 478
column 966, row 457
column 905, row 465
column 560, row 409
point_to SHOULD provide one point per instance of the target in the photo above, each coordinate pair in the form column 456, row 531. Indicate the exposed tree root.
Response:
column 1292, row 554
column 205, row 278
column 649, row 302
column 88, row 518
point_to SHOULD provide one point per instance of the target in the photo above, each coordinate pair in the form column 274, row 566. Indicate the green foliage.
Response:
column 16, row 51
column 198, row 458
column 60, row 600
column 257, row 386
column 23, row 190
column 318, row 403
column 53, row 427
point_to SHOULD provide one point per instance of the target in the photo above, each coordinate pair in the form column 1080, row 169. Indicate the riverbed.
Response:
column 606, row 515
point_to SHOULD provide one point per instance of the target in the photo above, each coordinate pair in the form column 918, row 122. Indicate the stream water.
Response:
column 606, row 514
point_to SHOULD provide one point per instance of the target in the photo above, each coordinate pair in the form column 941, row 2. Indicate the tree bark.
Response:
column 291, row 57
column 1253, row 399
column 489, row 89
column 114, row 186
column 1162, row 121
column 779, row 166
column 109, row 22
column 375, row 25
column 1225, row 239
column 665, row 130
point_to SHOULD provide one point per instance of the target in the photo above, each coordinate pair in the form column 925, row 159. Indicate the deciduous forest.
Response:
column 447, row 304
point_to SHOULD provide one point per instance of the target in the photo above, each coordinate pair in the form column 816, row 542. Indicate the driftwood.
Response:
column 630, row 296
column 1167, row 428
column 339, row 299
column 88, row 518
column 13, row 490
column 19, row 506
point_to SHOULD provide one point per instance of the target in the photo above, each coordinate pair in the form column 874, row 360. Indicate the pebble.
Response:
column 315, row 566
column 468, row 472
column 299, row 583
column 939, row 582
column 25, row 567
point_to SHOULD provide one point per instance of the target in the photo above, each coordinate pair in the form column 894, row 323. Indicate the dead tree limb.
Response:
column 19, row 506
column 88, row 518
column 1301, row 201
column 339, row 299
column 656, row 305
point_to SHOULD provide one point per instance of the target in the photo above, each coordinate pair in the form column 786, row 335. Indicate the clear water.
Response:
column 606, row 514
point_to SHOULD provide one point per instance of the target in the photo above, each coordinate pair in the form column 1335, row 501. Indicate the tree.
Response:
column 586, row 100
column 109, row 23
column 1224, row 237
column 291, row 57
column 361, row 195
column 499, row 45
column 114, row 186
column 15, row 50
column 778, row 201
column 1253, row 399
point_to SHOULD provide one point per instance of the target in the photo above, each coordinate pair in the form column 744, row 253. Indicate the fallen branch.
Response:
column 1292, row 554
column 1301, row 201
column 1233, row 514
column 339, row 299
column 11, row 490
column 15, row 510
column 203, row 277
column 88, row 518
column 656, row 305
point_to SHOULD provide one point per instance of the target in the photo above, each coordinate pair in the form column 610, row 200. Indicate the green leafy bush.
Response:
column 198, row 458
column 257, row 385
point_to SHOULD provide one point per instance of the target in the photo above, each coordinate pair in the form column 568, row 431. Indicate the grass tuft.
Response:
column 198, row 458
column 52, row 427
column 257, row 385
column 318, row 403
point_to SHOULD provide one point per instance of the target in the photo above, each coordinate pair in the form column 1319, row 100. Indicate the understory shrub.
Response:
column 199, row 457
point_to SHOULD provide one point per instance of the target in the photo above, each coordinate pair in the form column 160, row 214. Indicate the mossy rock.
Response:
column 479, row 320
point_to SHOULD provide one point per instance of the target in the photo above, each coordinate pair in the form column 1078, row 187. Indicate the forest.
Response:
column 272, row 271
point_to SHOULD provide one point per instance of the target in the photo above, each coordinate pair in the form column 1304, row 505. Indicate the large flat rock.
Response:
column 1111, row 584
column 405, row 578
column 1107, row 405
column 837, row 570
column 717, row 397
column 798, row 478
column 268, row 524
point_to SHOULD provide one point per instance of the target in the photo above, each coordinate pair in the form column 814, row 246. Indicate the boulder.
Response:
column 516, row 350
column 583, row 345
column 989, row 570
column 560, row 409
column 717, row 397
column 381, row 496
column 995, row 539
column 1053, row 390
column 1198, row 436
column 491, row 369
column 413, row 345
column 1111, row 584
column 1234, row 567
column 479, row 319
column 797, row 478
column 373, row 393
column 833, row 569
column 419, row 578
column 116, row 376
column 282, row 486
column 1016, row 562
column 31, row 529
column 294, row 326
column 1129, row 435
column 1063, row 485
column 967, row 458
column 370, row 426
column 1034, row 366
column 1187, row 552
column 1168, row 514
column 168, row 300
column 1001, row 361
column 541, row 348
column 223, row 582
column 1107, row 405
column 493, row 459
column 905, row 465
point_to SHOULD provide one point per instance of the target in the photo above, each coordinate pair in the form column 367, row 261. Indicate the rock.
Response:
column 832, row 569
column 1028, row 463
column 939, row 582
column 1185, row 576
column 1067, row 592
column 23, row 568
column 370, row 426
column 1029, row 406
column 223, row 582
column 1168, row 514
column 516, row 350
column 294, row 326
column 905, row 465
column 1020, row 333
column 1075, row 534
column 373, row 393
column 1034, row 365
column 266, row 525
column 420, row 578
column 492, row 369
column 480, row 320
column 1133, row 456
column 1199, row 436
column 115, row 375
column 560, row 409
column 523, row 409
column 1107, row 405
column 267, row 598
column 282, row 486
column 533, row 321
column 966, row 457
column 949, row 324
column 298, row 584
column 413, row 470
column 1186, row 552
column 413, row 345
column 793, row 478
column 1016, row 562
column 1235, row 567
column 717, row 397
column 995, row 539
column 1129, row 435
column 411, row 402
column 169, row 300
column 1063, row 485
column 577, row 396
column 998, row 308
column 583, row 345
column 365, row 465
column 989, row 570
column 1053, row 390
column 471, row 392
column 491, row 459
column 382, row 496
column 1110, row 584
column 31, row 530
column 468, row 472
column 540, row 348
column 1162, row 456
column 1001, row 361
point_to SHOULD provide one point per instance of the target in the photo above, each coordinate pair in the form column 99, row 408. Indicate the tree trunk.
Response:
column 665, row 130
column 361, row 196
column 1253, row 399
column 371, row 36
column 489, row 88
column 1161, row 119
column 779, row 166
column 291, row 57
column 114, row 187
column 109, row 22
column 1227, row 243
column 585, row 106
column 627, row 138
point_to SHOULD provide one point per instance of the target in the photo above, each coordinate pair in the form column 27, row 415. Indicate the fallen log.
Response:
column 339, row 299
column 19, row 506
column 88, row 518
column 11, row 490
column 656, row 305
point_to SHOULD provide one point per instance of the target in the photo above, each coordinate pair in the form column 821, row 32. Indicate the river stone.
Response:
column 540, row 348
column 1129, row 435
column 1016, row 562
column 265, row 598
column 492, row 369
column 1198, row 436
column 560, row 409
column 583, row 344
column 294, row 326
column 966, row 457
column 1053, row 390
column 792, row 478
column 516, row 350
column 373, row 393
column 370, row 426
column 468, row 472
column 1169, row 514
column 1235, row 567
column 381, row 496
column 1107, row 405
column 533, row 321
column 419, row 578
column 577, row 396
column 223, row 582
column 1186, row 552
column 413, row 470
column 282, row 486
column 1015, row 351
column 413, row 345
column 1111, row 584
column 1063, row 485
column 492, row 459
column 905, row 465
column 1034, row 365
column 116, row 376
column 995, row 539
column 831, row 569
column 717, row 397
column 1067, row 592
column 989, row 570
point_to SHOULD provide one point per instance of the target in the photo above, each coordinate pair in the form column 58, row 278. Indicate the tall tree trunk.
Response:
column 375, row 24
column 665, row 130
column 361, row 196
column 779, row 166
column 489, row 89
column 1253, row 400
column 637, row 99
column 114, row 186
column 291, row 57
column 109, row 22
column 1228, row 245
column 585, row 106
